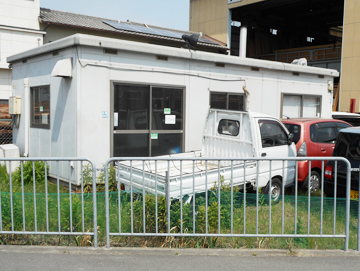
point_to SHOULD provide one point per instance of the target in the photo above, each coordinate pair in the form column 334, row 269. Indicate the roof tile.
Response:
column 49, row 16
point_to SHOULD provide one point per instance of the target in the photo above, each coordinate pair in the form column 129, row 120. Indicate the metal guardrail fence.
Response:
column 312, row 55
column 169, row 205
column 29, row 205
column 191, row 218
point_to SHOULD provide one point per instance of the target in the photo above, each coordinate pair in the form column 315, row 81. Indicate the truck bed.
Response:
column 184, row 176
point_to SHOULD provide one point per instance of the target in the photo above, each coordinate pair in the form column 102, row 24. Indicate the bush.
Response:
column 28, row 172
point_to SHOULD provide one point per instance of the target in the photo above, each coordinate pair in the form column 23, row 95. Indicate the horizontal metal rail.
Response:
column 328, row 54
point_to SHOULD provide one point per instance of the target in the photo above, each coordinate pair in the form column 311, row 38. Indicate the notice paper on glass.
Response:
column 170, row 119
column 116, row 119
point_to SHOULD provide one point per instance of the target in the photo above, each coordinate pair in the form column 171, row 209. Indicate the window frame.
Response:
column 150, row 130
column 302, row 97
column 228, row 94
column 34, row 124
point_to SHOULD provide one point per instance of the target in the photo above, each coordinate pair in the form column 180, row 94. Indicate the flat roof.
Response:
column 131, row 46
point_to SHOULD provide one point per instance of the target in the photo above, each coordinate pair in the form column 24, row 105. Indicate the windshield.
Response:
column 348, row 146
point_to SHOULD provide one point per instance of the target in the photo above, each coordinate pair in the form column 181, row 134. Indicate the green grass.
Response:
column 277, row 227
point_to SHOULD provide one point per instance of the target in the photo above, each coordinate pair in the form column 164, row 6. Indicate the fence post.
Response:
column 94, row 206
column 347, row 222
column 107, row 219
column 167, row 200
column 358, row 233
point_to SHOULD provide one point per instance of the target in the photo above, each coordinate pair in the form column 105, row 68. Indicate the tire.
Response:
column 329, row 190
column 276, row 189
column 315, row 182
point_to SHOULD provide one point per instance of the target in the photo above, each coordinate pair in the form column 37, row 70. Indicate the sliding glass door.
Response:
column 147, row 120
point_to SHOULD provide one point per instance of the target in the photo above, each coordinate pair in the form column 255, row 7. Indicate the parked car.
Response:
column 347, row 146
column 352, row 118
column 313, row 137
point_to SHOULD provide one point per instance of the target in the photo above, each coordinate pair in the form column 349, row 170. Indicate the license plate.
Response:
column 354, row 194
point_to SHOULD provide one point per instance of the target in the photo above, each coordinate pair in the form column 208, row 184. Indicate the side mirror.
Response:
column 290, row 138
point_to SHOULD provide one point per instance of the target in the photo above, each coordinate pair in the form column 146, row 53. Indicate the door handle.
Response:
column 323, row 150
column 263, row 154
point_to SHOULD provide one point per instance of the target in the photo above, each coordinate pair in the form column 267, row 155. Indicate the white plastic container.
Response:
column 10, row 151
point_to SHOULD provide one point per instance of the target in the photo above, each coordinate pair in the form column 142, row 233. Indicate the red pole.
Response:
column 352, row 105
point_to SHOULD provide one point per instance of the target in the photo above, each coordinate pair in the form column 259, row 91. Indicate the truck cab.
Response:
column 252, row 135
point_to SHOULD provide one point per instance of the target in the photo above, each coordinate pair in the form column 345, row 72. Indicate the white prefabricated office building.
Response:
column 96, row 97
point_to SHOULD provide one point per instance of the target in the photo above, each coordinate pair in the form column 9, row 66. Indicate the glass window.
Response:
column 340, row 126
column 295, row 129
column 236, row 102
column 40, row 107
column 131, row 145
column 353, row 121
column 229, row 127
column 148, row 120
column 324, row 132
column 227, row 101
column 311, row 107
column 272, row 134
column 291, row 106
column 167, row 109
column 218, row 100
column 167, row 144
column 296, row 106
column 131, row 107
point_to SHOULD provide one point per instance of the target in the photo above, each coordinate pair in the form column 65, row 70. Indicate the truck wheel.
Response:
column 314, row 182
column 276, row 188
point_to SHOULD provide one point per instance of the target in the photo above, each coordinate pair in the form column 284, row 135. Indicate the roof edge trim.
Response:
column 125, row 45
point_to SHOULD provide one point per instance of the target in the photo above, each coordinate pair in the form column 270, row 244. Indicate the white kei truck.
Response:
column 241, row 136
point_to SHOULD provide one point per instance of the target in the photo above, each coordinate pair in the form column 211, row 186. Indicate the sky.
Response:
column 172, row 13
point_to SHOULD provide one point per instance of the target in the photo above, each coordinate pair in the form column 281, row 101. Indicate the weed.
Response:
column 29, row 170
column 183, row 218
column 87, row 179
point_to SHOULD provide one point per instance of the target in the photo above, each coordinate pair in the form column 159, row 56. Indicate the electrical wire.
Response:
column 158, row 71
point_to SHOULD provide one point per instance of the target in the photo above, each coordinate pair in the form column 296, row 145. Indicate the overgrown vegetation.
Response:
column 87, row 179
column 212, row 207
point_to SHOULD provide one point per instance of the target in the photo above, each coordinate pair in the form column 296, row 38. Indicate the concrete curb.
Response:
column 177, row 251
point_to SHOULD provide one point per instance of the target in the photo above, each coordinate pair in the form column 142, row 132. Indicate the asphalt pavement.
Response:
column 82, row 258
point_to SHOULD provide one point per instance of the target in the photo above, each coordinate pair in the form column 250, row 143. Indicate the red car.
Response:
column 313, row 137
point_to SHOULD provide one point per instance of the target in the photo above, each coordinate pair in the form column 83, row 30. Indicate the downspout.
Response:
column 26, row 115
column 243, row 41
column 247, row 98
column 229, row 31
